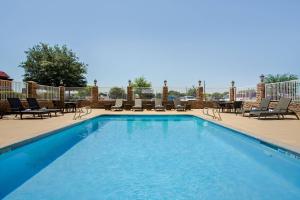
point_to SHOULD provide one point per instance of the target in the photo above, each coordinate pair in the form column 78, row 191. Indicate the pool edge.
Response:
column 284, row 150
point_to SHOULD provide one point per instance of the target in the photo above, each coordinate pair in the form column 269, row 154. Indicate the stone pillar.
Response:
column 260, row 89
column 95, row 92
column 129, row 92
column 31, row 89
column 62, row 93
column 165, row 93
column 232, row 92
column 199, row 92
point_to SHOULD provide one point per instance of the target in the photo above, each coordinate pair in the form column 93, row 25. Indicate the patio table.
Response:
column 70, row 106
column 225, row 105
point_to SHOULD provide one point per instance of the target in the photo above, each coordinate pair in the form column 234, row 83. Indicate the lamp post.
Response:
column 232, row 83
column 165, row 83
column 232, row 92
column 262, row 78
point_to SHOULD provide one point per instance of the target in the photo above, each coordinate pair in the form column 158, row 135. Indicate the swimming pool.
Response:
column 148, row 157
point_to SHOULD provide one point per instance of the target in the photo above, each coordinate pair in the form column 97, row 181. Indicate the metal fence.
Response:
column 78, row 93
column 182, row 93
column 45, row 92
column 290, row 89
column 246, row 94
column 108, row 93
column 216, row 94
column 147, row 93
column 10, row 89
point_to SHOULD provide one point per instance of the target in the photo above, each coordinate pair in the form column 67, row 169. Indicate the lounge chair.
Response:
column 178, row 106
column 158, row 105
column 137, row 105
column 118, row 105
column 58, row 105
column 1, row 113
column 16, row 107
column 34, row 105
column 263, row 106
column 281, row 109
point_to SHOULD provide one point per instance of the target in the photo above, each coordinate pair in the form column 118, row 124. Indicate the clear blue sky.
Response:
column 180, row 41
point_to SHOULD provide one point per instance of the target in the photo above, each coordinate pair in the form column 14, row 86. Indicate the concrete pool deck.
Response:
column 285, row 133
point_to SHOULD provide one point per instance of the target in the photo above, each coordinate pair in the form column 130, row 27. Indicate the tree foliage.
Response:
column 141, row 82
column 49, row 65
column 217, row 96
column 191, row 91
column 116, row 93
column 175, row 94
column 280, row 78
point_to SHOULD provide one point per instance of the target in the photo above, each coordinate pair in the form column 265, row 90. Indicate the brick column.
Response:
column 260, row 89
column 62, row 93
column 165, row 93
column 95, row 92
column 31, row 87
column 129, row 92
column 232, row 92
column 199, row 92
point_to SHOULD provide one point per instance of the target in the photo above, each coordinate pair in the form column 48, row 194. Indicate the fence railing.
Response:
column 147, row 93
column 45, row 92
column 290, row 89
column 78, row 93
column 11, row 89
column 110, row 93
column 182, row 93
column 246, row 94
column 216, row 94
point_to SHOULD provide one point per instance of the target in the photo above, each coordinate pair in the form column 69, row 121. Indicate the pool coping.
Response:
column 269, row 144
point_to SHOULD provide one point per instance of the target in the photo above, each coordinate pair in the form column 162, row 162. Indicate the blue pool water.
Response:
column 148, row 157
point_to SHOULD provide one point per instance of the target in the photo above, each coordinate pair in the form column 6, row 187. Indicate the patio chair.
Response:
column 178, row 106
column 118, row 105
column 137, row 105
column 16, row 107
column 281, row 109
column 34, row 105
column 158, row 105
column 263, row 106
column 238, row 106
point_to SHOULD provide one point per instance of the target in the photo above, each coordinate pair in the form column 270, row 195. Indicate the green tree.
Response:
column 174, row 94
column 280, row 78
column 116, row 93
column 191, row 91
column 49, row 65
column 158, row 95
column 141, row 82
column 217, row 96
